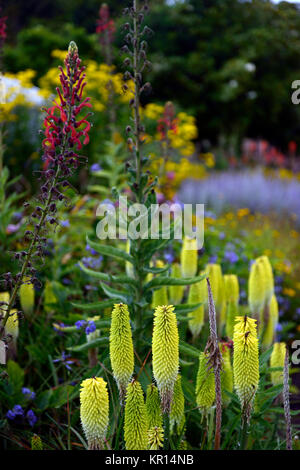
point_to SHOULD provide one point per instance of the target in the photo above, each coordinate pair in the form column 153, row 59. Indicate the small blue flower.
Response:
column 90, row 328
column 231, row 256
column 298, row 311
column 64, row 360
column 278, row 327
column 29, row 394
column 213, row 259
column 65, row 223
column 221, row 235
column 169, row 257
column 80, row 323
column 95, row 167
column 31, row 417
column 10, row 414
column 18, row 410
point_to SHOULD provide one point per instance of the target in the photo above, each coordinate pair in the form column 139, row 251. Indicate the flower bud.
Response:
column 189, row 257
column 121, row 347
column 272, row 323
column 176, row 292
column 155, row 438
column 197, row 294
column 165, row 351
column 153, row 407
column 257, row 290
column 277, row 360
column 36, row 443
column 27, row 296
column 94, row 411
column 205, row 385
column 226, row 374
column 135, row 424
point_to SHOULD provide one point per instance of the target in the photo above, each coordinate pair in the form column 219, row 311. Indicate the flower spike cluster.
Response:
column 121, row 347
column 94, row 410
column 245, row 362
column 136, row 423
column 165, row 351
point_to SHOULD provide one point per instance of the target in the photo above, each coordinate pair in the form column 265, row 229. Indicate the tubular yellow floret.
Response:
column 121, row 347
column 232, row 300
column 245, row 362
column 257, row 292
column 176, row 292
column 177, row 417
column 277, row 360
column 269, row 278
column 205, row 385
column 12, row 325
column 135, row 425
column 197, row 294
column 27, row 296
column 226, row 373
column 232, row 291
column 94, row 411
column 165, row 352
column 272, row 323
column 153, row 407
column 155, row 438
column 189, row 257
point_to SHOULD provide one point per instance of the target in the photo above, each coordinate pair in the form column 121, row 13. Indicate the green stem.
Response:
column 244, row 435
column 166, row 431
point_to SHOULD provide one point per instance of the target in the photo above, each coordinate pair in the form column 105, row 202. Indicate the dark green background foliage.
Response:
column 198, row 49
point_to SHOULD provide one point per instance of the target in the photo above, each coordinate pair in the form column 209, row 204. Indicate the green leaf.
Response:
column 156, row 270
column 110, row 251
column 186, row 308
column 264, row 357
column 16, row 376
column 186, row 348
column 115, row 294
column 170, row 281
column 96, row 274
column 104, row 340
column 94, row 305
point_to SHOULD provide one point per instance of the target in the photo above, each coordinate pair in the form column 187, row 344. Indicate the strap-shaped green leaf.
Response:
column 110, row 251
column 115, row 294
column 186, row 348
column 93, row 305
column 106, row 277
column 170, row 281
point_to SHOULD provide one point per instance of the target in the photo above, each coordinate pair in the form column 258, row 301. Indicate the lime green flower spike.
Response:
column 136, row 424
column 49, row 297
column 128, row 266
column 189, row 257
column 165, row 352
column 245, row 362
column 226, row 373
column 268, row 276
column 197, row 294
column 159, row 296
column 177, row 417
column 214, row 273
column 121, row 347
column 277, row 360
column 27, row 296
column 205, row 385
column 153, row 407
column 175, row 292
column 94, row 411
column 272, row 322
column 36, row 443
column 232, row 300
column 257, row 292
column 155, row 438
column 12, row 332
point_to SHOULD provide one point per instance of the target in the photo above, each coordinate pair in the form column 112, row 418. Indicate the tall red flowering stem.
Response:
column 66, row 130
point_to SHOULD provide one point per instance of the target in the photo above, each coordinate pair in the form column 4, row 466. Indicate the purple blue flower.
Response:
column 95, row 167
column 65, row 223
column 64, row 359
column 231, row 257
column 10, row 414
column 28, row 393
column 80, row 323
column 31, row 417
column 90, row 328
